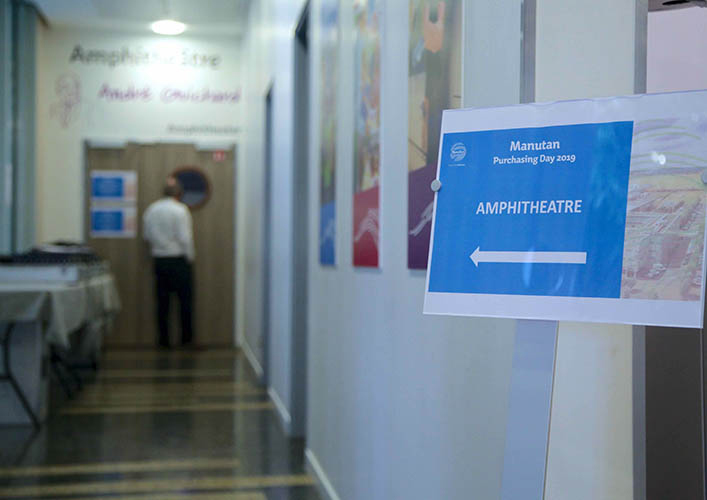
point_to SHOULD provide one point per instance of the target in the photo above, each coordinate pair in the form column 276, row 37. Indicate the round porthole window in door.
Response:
column 196, row 188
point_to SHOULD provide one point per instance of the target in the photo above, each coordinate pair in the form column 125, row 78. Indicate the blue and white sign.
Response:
column 113, row 186
column 586, row 210
column 113, row 222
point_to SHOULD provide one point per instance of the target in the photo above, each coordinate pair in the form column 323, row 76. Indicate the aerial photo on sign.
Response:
column 665, row 223
column 587, row 210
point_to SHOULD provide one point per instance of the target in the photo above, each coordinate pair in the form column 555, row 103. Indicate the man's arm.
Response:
column 146, row 225
column 185, row 234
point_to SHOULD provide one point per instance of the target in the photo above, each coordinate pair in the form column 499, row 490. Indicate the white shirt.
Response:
column 167, row 227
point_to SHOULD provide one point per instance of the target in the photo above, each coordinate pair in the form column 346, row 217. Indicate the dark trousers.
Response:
column 173, row 275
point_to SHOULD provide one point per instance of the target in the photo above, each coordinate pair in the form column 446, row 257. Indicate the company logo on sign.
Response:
column 458, row 152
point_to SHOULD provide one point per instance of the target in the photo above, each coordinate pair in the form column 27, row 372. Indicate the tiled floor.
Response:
column 159, row 426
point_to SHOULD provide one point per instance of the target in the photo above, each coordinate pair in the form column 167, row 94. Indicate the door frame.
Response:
column 299, row 291
column 199, row 145
column 267, row 239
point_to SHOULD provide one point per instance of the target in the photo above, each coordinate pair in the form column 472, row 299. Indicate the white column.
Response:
column 590, row 49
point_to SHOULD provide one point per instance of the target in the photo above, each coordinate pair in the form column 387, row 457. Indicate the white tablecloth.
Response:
column 62, row 307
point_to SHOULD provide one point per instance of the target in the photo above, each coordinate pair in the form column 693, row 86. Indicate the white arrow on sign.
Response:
column 528, row 257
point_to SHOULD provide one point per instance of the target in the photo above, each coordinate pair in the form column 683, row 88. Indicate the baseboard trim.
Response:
column 282, row 411
column 252, row 359
column 326, row 489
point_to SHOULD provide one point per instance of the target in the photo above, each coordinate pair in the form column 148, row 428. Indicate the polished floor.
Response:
column 159, row 425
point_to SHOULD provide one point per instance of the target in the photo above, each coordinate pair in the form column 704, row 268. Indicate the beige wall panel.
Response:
column 123, row 254
column 213, row 232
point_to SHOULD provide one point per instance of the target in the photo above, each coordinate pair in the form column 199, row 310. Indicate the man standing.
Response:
column 168, row 229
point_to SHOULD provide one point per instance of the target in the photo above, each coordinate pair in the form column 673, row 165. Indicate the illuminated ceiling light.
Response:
column 168, row 27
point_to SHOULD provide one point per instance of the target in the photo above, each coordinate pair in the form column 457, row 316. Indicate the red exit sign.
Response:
column 219, row 155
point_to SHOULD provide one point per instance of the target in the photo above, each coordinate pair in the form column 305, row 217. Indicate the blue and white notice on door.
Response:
column 560, row 211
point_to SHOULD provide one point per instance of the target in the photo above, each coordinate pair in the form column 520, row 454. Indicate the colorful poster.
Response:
column 434, row 84
column 589, row 210
column 327, row 155
column 368, row 17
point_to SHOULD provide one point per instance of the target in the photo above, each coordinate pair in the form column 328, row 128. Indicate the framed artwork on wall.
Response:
column 329, row 69
column 434, row 84
column 368, row 21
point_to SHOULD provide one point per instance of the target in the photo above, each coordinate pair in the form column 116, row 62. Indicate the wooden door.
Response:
column 124, row 255
column 213, row 238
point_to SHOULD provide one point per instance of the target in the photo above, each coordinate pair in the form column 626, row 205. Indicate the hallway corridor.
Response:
column 160, row 426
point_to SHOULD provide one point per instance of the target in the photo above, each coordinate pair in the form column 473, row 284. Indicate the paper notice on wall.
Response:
column 113, row 186
column 113, row 222
column 113, row 204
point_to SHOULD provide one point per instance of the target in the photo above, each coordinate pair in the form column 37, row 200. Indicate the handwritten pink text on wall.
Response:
column 167, row 95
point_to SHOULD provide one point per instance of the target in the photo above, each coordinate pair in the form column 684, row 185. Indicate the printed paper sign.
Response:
column 113, row 186
column 113, row 222
column 583, row 210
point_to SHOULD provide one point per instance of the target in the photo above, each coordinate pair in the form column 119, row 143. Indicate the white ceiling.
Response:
column 202, row 17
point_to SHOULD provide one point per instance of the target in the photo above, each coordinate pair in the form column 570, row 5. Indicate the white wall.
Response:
column 403, row 405
column 391, row 392
column 588, row 49
column 282, row 227
column 269, row 49
column 250, row 222
column 584, row 49
column 71, row 108
column 677, row 54
column 270, row 53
